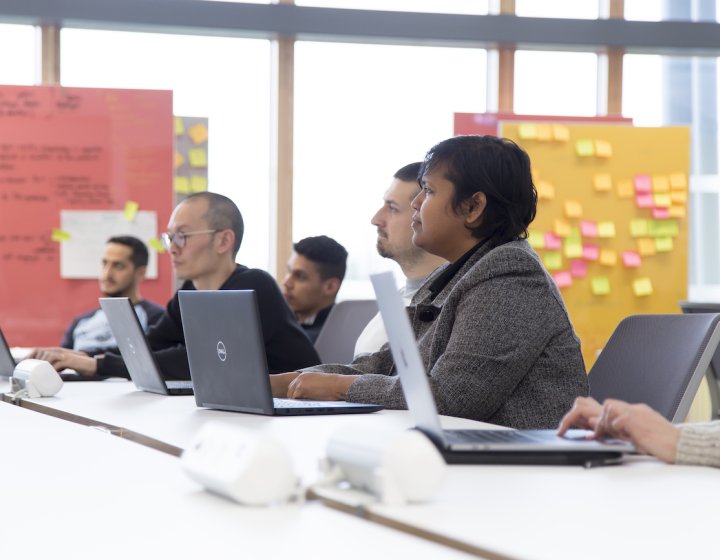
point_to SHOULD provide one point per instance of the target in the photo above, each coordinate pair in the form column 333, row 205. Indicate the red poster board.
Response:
column 73, row 149
column 487, row 123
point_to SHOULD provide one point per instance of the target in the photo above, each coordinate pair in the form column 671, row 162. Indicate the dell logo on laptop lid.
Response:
column 221, row 352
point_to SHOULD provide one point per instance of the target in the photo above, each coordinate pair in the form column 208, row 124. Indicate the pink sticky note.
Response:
column 591, row 252
column 643, row 183
column 588, row 228
column 631, row 259
column 563, row 279
column 552, row 241
column 661, row 213
column 644, row 200
column 578, row 269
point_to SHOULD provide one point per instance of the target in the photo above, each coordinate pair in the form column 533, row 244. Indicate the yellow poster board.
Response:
column 611, row 224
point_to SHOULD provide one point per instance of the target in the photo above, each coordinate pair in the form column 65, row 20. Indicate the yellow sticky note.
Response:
column 646, row 246
column 585, row 148
column 179, row 160
column 625, row 189
column 156, row 245
column 678, row 181
column 197, row 157
column 198, row 183
column 536, row 239
column 608, row 257
column 179, row 126
column 561, row 133
column 663, row 244
column 562, row 228
column 544, row 132
column 545, row 190
column 59, row 235
column 606, row 229
column 198, row 133
column 553, row 260
column 600, row 285
column 678, row 197
column 661, row 200
column 527, row 131
column 573, row 250
column 573, row 209
column 660, row 184
column 182, row 185
column 131, row 210
column 642, row 287
column 677, row 212
column 639, row 228
column 602, row 182
column 603, row 149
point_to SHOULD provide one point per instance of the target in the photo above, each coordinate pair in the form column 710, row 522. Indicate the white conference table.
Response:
column 73, row 492
column 640, row 509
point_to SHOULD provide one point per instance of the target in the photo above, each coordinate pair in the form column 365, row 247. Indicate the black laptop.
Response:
column 135, row 350
column 7, row 362
column 226, row 352
column 492, row 446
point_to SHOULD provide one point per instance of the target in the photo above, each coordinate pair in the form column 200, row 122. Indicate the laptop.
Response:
column 226, row 352
column 7, row 362
column 135, row 350
column 476, row 446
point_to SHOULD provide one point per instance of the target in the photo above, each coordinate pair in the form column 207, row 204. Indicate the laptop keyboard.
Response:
column 496, row 436
column 296, row 403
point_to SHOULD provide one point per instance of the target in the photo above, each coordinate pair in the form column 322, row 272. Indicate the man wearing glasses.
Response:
column 203, row 238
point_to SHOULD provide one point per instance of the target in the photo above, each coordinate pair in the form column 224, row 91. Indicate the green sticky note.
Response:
column 663, row 244
column 585, row 148
column 156, row 245
column 606, row 229
column 536, row 239
column 59, row 235
column 600, row 285
column 131, row 210
column 552, row 260
column 573, row 249
column 639, row 228
column 179, row 126
column 197, row 157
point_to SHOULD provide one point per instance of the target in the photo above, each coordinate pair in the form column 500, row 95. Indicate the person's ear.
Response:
column 225, row 241
column 331, row 286
column 140, row 272
column 474, row 208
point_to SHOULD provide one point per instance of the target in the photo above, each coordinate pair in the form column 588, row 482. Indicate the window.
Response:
column 361, row 113
column 234, row 95
column 19, row 68
column 573, row 9
column 477, row 7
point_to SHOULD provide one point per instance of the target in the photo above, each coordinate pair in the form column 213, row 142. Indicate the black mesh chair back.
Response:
column 658, row 360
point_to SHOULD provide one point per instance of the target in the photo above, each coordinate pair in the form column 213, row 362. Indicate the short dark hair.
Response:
column 497, row 167
column 139, row 254
column 222, row 213
column 329, row 256
column 409, row 173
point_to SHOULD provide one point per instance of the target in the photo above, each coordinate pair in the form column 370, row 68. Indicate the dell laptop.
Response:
column 7, row 362
column 476, row 446
column 135, row 350
column 226, row 352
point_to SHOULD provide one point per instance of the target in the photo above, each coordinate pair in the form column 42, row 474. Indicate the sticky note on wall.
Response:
column 643, row 184
column 591, row 252
column 608, row 257
column 552, row 260
column 552, row 241
column 585, row 148
column 602, row 182
column 131, row 210
column 606, row 230
column 156, row 245
column 678, row 181
column 625, row 189
column 631, row 259
column 578, row 269
column 603, row 149
column 59, row 235
column 646, row 247
column 197, row 157
column 642, row 287
column 600, row 285
column 573, row 209
column 563, row 279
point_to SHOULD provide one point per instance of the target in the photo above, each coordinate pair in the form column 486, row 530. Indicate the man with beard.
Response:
column 124, row 263
column 393, row 222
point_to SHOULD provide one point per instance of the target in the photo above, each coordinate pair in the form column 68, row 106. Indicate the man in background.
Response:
column 394, row 242
column 124, row 263
column 315, row 272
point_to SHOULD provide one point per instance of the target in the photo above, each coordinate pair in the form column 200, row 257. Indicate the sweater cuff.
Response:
column 699, row 445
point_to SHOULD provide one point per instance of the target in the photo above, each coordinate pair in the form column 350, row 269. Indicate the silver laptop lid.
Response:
column 406, row 355
column 226, row 352
column 133, row 345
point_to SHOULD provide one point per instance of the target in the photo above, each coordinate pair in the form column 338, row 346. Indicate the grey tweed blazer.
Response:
column 501, row 350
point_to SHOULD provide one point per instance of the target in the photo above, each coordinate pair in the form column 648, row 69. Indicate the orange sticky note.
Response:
column 646, row 247
column 562, row 228
column 600, row 285
column 544, row 132
column 642, row 287
column 573, row 209
column 179, row 160
column 131, row 210
column 608, row 257
column 606, row 230
column 677, row 212
column 678, row 197
column 678, row 181
column 625, row 189
column 631, row 259
column 545, row 190
column 561, row 133
column 584, row 148
column 660, row 184
column 198, row 133
column 603, row 149
column 602, row 182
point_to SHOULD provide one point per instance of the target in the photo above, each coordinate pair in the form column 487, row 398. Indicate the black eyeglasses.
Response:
column 180, row 238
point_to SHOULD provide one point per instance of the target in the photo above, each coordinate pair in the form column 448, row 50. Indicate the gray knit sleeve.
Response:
column 699, row 445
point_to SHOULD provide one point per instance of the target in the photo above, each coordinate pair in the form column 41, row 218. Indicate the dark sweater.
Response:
column 286, row 346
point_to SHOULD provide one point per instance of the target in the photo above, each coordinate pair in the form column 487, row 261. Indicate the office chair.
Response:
column 658, row 360
column 336, row 342
column 713, row 372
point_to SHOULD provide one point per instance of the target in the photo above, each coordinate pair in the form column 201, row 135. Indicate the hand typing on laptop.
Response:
column 638, row 423
column 63, row 358
column 311, row 385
